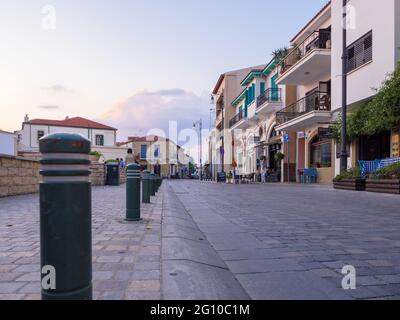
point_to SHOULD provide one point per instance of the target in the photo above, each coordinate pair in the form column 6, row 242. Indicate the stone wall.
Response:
column 21, row 176
column 18, row 176
column 122, row 176
column 98, row 174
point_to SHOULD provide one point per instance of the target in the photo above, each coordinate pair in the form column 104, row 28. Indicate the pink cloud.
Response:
column 146, row 110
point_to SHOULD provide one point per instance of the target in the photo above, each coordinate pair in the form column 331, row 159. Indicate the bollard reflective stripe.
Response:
column 133, row 177
column 65, row 203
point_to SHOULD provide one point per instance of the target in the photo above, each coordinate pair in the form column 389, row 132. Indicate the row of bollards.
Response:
column 150, row 186
column 66, row 218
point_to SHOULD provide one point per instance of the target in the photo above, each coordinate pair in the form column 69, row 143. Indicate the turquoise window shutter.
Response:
column 274, row 86
column 262, row 88
column 273, row 81
column 253, row 89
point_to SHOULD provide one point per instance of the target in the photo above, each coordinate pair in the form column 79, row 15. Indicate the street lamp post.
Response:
column 200, row 124
column 343, row 153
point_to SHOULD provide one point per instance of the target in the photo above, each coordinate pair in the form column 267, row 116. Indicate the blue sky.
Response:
column 105, row 58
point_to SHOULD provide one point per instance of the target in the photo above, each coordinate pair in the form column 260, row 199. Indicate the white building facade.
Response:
column 103, row 137
column 253, row 127
column 306, row 70
column 373, row 43
column 8, row 143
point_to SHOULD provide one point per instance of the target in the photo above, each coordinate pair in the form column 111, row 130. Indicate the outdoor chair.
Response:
column 310, row 175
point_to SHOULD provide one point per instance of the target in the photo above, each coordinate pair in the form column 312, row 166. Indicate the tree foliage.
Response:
column 382, row 113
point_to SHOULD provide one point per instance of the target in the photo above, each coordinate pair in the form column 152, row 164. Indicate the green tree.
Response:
column 380, row 114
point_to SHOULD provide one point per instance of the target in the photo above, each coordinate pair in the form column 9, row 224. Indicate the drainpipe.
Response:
column 343, row 154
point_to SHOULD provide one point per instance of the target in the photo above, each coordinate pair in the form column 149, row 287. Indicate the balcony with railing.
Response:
column 270, row 101
column 310, row 110
column 236, row 119
column 219, row 120
column 308, row 61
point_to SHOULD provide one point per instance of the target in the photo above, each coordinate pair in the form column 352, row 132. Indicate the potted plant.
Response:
column 95, row 156
column 279, row 157
column 385, row 180
column 350, row 180
column 263, row 158
column 229, row 178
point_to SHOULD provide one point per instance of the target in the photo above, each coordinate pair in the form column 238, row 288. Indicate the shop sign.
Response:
column 325, row 133
column 286, row 138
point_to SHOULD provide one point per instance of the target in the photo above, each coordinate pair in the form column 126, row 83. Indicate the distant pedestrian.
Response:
column 121, row 163
column 264, row 171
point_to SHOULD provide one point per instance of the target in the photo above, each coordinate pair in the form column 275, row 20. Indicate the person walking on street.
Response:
column 264, row 170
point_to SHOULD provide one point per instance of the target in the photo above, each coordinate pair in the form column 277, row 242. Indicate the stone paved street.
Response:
column 126, row 257
column 291, row 242
column 216, row 241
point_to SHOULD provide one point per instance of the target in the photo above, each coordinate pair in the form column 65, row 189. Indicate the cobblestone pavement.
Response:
column 291, row 242
column 126, row 257
column 216, row 241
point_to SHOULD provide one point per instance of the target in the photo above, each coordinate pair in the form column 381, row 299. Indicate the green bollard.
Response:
column 133, row 193
column 146, row 186
column 152, row 185
column 65, row 218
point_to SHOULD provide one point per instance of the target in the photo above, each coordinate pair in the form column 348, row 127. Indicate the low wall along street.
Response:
column 20, row 176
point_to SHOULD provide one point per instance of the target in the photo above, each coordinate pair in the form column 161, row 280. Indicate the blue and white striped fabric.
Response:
column 368, row 167
column 388, row 162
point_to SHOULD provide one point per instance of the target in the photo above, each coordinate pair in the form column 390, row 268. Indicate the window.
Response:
column 320, row 153
column 156, row 151
column 99, row 140
column 143, row 152
column 40, row 134
column 360, row 52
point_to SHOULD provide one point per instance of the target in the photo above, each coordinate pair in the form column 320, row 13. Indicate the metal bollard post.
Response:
column 133, row 193
column 146, row 187
column 152, row 185
column 65, row 218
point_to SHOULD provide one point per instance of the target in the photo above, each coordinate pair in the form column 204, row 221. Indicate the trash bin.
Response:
column 221, row 177
column 112, row 176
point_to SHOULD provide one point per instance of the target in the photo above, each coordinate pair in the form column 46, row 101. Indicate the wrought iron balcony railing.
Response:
column 317, row 101
column 270, row 95
column 317, row 40
column 236, row 119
